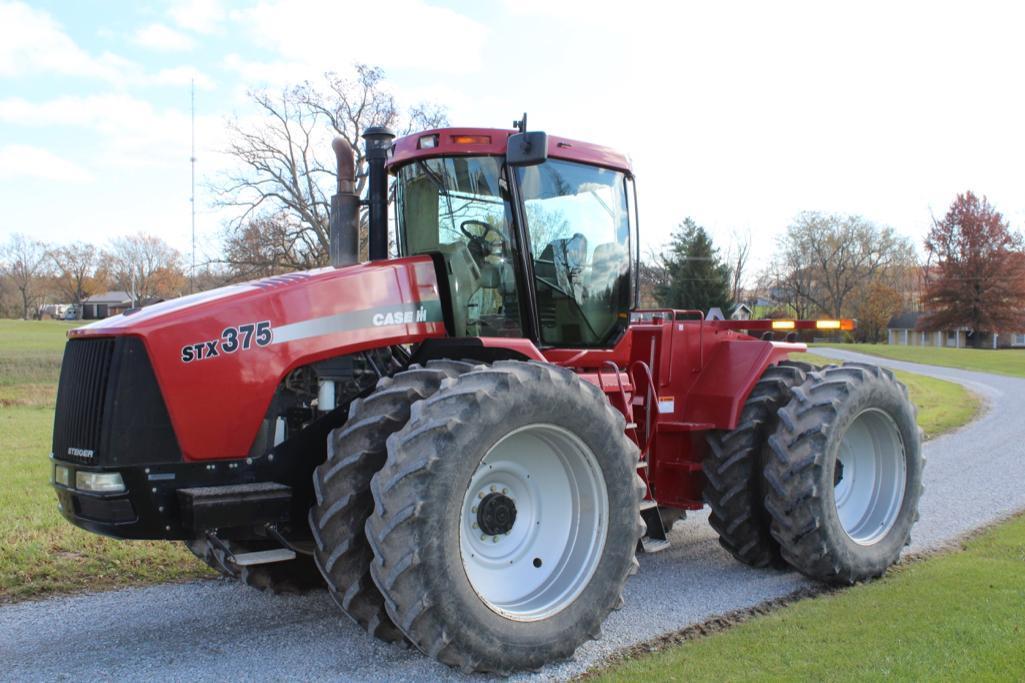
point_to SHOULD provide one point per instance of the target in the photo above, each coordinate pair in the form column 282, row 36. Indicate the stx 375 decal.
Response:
column 233, row 339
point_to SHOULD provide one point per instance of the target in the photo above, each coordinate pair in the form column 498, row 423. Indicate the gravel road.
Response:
column 212, row 630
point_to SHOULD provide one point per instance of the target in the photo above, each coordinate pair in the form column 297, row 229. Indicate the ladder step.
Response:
column 631, row 425
column 642, row 464
column 653, row 545
column 648, row 504
column 264, row 557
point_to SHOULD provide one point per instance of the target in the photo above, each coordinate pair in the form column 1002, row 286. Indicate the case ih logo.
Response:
column 401, row 317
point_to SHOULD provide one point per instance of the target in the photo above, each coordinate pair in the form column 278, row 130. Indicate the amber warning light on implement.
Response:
column 846, row 325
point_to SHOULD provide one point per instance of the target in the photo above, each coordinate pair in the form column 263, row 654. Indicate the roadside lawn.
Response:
column 42, row 553
column 1000, row 361
column 956, row 616
column 942, row 406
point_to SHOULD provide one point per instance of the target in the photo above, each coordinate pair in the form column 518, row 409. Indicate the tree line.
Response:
column 33, row 273
column 841, row 266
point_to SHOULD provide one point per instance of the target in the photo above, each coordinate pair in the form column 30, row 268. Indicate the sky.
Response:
column 738, row 114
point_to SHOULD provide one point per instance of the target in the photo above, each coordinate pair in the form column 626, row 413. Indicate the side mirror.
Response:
column 527, row 149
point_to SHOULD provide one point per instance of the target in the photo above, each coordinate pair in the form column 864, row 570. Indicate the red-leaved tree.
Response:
column 976, row 273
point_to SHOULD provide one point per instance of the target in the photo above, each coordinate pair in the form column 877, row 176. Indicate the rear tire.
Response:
column 733, row 466
column 342, row 486
column 293, row 576
column 475, row 602
column 845, row 474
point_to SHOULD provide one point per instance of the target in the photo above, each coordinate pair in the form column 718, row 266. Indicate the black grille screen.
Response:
column 81, row 395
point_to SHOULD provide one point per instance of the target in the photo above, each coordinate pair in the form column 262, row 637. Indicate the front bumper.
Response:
column 151, row 505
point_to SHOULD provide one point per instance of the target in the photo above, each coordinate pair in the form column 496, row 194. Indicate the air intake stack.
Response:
column 378, row 144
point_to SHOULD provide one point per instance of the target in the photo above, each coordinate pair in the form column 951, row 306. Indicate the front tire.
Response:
column 845, row 475
column 356, row 451
column 506, row 518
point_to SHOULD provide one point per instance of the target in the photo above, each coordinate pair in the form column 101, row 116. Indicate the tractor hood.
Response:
column 219, row 356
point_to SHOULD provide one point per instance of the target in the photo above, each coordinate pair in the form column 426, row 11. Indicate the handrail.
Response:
column 654, row 402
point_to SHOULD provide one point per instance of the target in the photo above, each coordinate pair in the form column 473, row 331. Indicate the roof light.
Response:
column 471, row 139
column 428, row 142
column 782, row 324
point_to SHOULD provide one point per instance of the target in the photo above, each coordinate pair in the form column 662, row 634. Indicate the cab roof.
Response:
column 449, row 142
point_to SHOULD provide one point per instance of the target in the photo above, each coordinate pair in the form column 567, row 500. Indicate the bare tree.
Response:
column 736, row 257
column 825, row 260
column 145, row 266
column 75, row 274
column 285, row 168
column 24, row 265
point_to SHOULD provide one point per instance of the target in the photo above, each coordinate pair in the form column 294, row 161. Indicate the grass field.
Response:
column 42, row 553
column 1001, row 361
column 951, row 617
column 942, row 406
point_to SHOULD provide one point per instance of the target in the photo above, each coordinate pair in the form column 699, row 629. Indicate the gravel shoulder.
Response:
column 219, row 629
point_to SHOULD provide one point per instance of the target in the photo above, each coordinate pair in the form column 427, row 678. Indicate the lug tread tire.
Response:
column 405, row 532
column 733, row 469
column 294, row 577
column 799, row 470
column 355, row 451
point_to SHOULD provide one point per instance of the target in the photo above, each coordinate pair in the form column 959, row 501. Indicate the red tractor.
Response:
column 468, row 443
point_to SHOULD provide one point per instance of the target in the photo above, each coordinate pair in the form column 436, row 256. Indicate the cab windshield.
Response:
column 578, row 221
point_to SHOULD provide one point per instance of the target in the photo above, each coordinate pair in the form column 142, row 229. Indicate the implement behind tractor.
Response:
column 469, row 442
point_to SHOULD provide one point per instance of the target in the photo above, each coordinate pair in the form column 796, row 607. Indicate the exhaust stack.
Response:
column 344, row 223
column 378, row 144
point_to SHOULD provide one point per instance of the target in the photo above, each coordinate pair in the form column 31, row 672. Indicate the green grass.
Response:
column 942, row 406
column 951, row 617
column 1001, row 361
column 42, row 553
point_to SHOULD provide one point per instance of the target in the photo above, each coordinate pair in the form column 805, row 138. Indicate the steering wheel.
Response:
column 479, row 246
column 487, row 227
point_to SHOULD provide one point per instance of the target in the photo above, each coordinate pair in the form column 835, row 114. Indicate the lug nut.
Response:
column 494, row 539
column 475, row 525
column 505, row 491
column 483, row 537
column 473, row 509
column 493, row 489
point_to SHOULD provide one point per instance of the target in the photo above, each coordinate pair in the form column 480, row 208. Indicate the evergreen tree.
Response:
column 697, row 277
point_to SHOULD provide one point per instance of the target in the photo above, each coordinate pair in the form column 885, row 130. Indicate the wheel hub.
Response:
column 496, row 514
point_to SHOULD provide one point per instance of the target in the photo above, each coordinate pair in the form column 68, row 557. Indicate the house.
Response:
column 902, row 330
column 105, row 304
column 741, row 312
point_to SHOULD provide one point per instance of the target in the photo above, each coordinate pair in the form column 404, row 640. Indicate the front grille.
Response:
column 81, row 396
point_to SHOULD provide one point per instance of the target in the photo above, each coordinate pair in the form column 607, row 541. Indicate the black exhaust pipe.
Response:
column 344, row 223
column 378, row 143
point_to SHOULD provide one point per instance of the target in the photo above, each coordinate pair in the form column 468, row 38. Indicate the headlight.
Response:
column 99, row 482
column 62, row 475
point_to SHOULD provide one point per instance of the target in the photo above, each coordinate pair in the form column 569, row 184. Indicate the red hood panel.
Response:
column 220, row 355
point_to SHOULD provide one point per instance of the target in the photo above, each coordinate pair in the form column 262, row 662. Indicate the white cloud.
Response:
column 201, row 16
column 31, row 41
column 160, row 37
column 23, row 161
column 135, row 133
column 309, row 38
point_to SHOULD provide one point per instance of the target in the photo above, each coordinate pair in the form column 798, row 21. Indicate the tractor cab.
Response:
column 538, row 244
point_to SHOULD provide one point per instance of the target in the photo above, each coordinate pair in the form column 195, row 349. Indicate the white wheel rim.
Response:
column 870, row 478
column 542, row 563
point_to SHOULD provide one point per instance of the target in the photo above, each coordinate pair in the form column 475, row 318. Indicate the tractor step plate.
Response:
column 653, row 545
column 263, row 557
